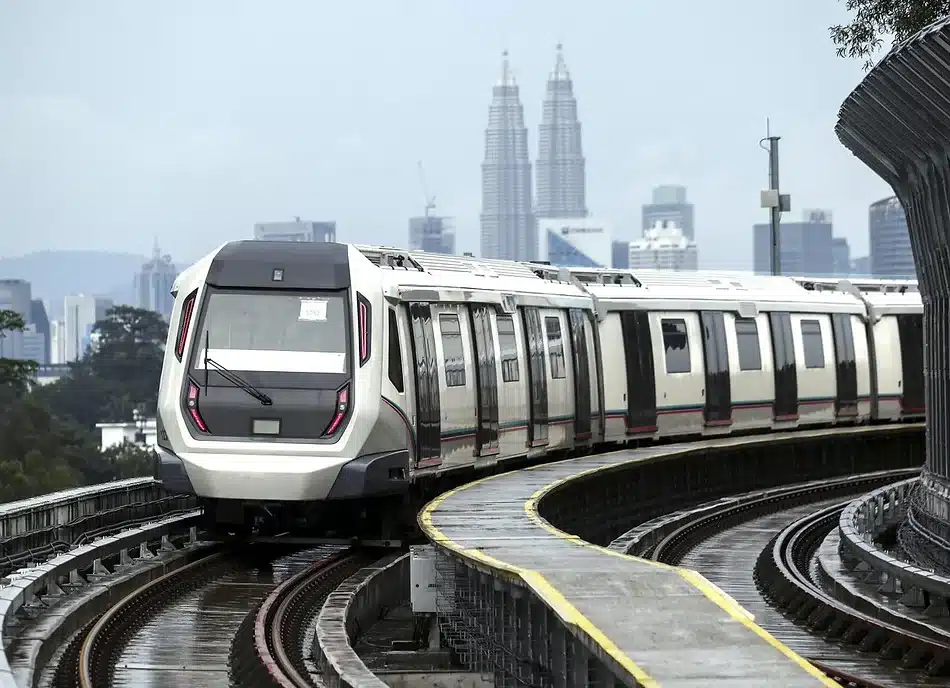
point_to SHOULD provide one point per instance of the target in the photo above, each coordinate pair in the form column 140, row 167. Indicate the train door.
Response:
column 428, row 414
column 641, row 380
column 458, row 396
column 785, row 407
column 537, row 378
column 580, row 357
column 514, row 398
column 910, row 328
column 486, row 382
column 846, row 372
column 718, row 408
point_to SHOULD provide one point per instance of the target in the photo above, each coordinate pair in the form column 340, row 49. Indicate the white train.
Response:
column 309, row 379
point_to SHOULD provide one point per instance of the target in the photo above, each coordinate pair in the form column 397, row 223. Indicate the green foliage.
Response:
column 15, row 376
column 129, row 460
column 872, row 19
column 48, row 439
column 120, row 374
column 40, row 453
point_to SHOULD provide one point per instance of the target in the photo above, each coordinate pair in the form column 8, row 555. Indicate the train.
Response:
column 327, row 387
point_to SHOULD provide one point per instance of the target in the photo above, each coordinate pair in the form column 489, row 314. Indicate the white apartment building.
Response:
column 664, row 247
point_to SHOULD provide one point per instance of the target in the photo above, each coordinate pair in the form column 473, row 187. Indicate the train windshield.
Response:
column 275, row 332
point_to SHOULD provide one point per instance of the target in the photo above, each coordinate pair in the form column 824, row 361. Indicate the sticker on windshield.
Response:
column 313, row 310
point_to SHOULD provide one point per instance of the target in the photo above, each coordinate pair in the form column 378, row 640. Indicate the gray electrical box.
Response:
column 422, row 583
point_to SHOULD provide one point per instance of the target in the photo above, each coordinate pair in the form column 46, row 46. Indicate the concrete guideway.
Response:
column 646, row 623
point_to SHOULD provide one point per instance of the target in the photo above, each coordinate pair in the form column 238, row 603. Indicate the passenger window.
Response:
column 452, row 350
column 509, row 349
column 811, row 340
column 555, row 347
column 676, row 343
column 395, row 356
column 747, row 335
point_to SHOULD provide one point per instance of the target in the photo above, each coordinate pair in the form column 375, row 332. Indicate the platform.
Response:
column 666, row 626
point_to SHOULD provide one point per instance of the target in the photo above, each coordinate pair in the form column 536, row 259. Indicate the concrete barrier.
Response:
column 25, row 588
column 43, row 525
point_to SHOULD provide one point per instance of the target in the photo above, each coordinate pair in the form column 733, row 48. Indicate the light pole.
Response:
column 776, row 202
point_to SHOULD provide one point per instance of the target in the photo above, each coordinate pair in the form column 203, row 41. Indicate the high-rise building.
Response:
column 891, row 255
column 15, row 295
column 664, row 247
column 297, row 230
column 840, row 257
column 861, row 267
column 669, row 203
column 574, row 242
column 620, row 255
column 30, row 343
column 40, row 322
column 508, row 228
column 153, row 284
column 82, row 312
column 560, row 168
column 432, row 234
column 805, row 248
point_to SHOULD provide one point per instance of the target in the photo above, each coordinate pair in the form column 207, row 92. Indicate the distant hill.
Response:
column 56, row 274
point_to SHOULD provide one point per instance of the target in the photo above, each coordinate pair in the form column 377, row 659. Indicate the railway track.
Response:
column 731, row 543
column 88, row 660
column 783, row 575
column 268, row 649
column 672, row 548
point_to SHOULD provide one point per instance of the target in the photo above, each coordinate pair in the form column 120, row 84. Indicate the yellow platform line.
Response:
column 563, row 608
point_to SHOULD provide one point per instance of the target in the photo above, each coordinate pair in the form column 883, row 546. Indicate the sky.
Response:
column 125, row 121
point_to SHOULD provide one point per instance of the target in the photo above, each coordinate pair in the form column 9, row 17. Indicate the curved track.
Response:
column 269, row 647
column 727, row 543
column 784, row 576
column 183, row 627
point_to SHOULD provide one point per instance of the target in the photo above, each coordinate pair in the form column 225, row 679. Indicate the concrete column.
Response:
column 897, row 121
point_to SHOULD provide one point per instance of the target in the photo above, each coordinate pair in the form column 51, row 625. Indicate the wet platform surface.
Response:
column 672, row 624
column 188, row 642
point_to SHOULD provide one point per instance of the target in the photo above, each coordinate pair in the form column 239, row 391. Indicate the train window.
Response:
column 509, row 349
column 676, row 343
column 395, row 357
column 811, row 340
column 452, row 350
column 555, row 347
column 747, row 335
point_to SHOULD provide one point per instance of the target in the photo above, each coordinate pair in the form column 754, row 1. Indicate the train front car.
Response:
column 269, row 405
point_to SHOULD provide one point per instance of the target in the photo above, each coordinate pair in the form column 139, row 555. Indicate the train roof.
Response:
column 405, row 271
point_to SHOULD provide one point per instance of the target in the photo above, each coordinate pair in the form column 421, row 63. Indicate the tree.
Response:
column 873, row 19
column 15, row 375
column 120, row 373
column 129, row 460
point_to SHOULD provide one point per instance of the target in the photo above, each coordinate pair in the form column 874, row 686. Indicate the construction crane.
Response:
column 429, row 200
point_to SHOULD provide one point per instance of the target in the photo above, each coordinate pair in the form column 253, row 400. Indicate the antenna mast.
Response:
column 429, row 200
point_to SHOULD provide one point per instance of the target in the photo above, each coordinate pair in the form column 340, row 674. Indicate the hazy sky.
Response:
column 122, row 120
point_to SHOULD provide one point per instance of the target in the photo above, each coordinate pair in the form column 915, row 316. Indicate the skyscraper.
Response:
column 669, row 203
column 560, row 169
column 891, row 256
column 154, row 282
column 507, row 220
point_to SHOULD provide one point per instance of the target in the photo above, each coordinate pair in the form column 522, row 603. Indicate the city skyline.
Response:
column 202, row 171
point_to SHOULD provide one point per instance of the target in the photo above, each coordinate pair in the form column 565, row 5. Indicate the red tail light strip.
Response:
column 342, row 404
column 193, row 392
column 186, row 311
column 363, row 313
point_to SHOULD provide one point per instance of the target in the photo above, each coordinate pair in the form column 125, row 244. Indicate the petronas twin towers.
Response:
column 508, row 220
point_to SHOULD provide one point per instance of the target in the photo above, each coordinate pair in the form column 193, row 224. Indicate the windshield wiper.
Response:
column 233, row 378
